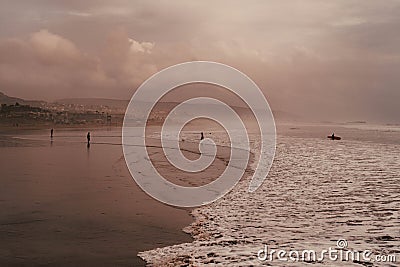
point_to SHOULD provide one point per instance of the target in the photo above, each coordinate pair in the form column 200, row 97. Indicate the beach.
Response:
column 200, row 133
column 64, row 204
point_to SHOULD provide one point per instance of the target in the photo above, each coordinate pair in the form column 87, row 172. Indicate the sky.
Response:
column 333, row 60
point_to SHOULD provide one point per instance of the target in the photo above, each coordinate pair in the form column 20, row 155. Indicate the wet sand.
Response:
column 66, row 205
column 317, row 192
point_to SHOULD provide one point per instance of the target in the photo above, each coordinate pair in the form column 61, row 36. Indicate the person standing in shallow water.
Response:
column 51, row 133
column 88, row 138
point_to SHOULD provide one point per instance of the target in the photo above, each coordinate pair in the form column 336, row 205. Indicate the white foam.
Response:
column 317, row 192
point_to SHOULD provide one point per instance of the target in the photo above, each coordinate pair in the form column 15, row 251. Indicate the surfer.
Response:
column 202, row 136
column 51, row 133
column 334, row 137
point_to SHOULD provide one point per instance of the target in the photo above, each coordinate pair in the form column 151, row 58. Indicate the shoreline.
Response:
column 117, row 209
column 123, row 219
column 193, row 229
column 297, row 206
column 7, row 129
column 115, row 228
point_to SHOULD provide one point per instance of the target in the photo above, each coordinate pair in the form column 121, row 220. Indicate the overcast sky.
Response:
column 337, row 59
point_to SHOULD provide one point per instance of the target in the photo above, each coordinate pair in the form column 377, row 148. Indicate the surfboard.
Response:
column 335, row 138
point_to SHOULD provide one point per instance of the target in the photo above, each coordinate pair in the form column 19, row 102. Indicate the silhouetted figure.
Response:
column 202, row 136
column 334, row 137
column 88, row 138
column 51, row 133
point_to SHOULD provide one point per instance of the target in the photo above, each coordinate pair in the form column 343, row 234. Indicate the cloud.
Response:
column 48, row 66
column 325, row 58
column 50, row 46
column 143, row 47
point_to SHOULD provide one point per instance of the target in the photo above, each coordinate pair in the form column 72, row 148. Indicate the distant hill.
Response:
column 4, row 99
column 118, row 104
column 112, row 103
column 9, row 100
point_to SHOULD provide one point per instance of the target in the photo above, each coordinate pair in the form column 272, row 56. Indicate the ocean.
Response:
column 317, row 193
column 63, row 203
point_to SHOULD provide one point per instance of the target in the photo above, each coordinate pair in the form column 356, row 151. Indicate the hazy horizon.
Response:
column 336, row 60
column 97, row 170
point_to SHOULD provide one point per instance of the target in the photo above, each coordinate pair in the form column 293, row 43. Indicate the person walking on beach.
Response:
column 51, row 133
column 88, row 138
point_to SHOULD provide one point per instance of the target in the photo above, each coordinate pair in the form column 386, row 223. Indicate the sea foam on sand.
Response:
column 317, row 192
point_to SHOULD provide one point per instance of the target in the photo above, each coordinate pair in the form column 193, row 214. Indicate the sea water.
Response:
column 318, row 191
